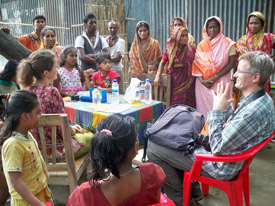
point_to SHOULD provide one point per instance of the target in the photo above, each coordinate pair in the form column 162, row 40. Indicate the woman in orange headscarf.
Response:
column 215, row 57
column 255, row 38
column 143, row 50
column 179, row 55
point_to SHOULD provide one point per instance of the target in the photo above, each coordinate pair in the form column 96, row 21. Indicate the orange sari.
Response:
column 141, row 55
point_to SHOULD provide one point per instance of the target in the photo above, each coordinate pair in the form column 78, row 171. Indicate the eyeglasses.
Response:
column 243, row 72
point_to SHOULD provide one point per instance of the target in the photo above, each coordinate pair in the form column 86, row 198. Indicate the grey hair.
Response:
column 260, row 63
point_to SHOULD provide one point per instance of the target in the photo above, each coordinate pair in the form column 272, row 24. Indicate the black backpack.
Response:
column 177, row 128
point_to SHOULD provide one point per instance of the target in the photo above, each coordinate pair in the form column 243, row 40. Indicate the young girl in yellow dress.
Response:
column 23, row 164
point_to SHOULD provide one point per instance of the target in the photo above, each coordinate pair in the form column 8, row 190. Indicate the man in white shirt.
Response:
column 116, row 49
column 90, row 43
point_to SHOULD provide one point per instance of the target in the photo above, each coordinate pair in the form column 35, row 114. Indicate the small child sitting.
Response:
column 105, row 76
column 69, row 77
column 113, row 179
column 152, row 67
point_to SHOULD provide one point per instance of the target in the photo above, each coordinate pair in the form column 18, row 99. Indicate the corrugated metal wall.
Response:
column 139, row 10
column 232, row 13
column 59, row 13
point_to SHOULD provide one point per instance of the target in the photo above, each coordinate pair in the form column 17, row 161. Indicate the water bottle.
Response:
column 137, row 96
column 115, row 92
column 96, row 97
column 148, row 92
column 142, row 92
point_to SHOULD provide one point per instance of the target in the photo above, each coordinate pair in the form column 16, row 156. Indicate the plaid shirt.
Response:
column 250, row 124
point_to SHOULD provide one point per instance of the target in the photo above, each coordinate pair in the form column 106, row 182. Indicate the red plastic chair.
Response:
column 164, row 201
column 233, row 188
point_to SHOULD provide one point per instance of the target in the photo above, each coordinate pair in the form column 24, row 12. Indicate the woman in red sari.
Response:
column 179, row 55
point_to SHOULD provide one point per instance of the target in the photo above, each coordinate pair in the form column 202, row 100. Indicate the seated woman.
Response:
column 255, row 38
column 177, row 22
column 70, row 76
column 179, row 55
column 113, row 179
column 36, row 73
column 48, row 41
column 215, row 57
column 143, row 50
column 8, row 78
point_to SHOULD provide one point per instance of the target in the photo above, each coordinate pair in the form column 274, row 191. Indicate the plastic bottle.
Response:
column 137, row 96
column 142, row 91
column 148, row 92
column 96, row 96
column 115, row 92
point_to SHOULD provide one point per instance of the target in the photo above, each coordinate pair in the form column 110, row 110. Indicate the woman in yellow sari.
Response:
column 255, row 38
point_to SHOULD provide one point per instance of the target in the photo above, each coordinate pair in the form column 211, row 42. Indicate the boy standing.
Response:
column 32, row 41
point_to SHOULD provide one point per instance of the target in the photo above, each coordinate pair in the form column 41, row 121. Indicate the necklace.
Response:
column 126, row 173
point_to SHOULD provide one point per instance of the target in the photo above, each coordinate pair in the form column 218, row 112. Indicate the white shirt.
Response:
column 118, row 47
column 79, row 41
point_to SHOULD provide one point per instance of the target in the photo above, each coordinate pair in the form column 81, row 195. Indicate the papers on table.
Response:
column 115, row 108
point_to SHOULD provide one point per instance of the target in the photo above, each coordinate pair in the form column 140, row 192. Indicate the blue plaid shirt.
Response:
column 250, row 124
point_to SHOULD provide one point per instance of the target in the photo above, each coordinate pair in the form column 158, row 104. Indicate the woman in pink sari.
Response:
column 215, row 57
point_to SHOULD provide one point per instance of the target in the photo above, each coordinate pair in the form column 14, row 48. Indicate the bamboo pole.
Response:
column 23, row 24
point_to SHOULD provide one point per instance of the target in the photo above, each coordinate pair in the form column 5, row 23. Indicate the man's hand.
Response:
column 221, row 99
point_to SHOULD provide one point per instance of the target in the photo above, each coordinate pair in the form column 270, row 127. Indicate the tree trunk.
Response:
column 10, row 48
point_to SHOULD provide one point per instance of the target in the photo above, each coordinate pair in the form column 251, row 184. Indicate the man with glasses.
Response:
column 230, row 132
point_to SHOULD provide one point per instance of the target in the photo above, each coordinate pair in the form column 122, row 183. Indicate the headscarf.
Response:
column 191, row 39
column 140, row 56
column 173, row 47
column 256, row 42
column 55, row 49
column 211, row 56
